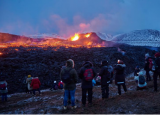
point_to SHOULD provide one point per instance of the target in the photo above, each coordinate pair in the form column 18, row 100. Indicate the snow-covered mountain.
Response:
column 104, row 36
column 145, row 37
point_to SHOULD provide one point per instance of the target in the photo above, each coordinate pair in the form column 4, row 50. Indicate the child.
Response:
column 60, row 85
column 141, row 81
column 55, row 86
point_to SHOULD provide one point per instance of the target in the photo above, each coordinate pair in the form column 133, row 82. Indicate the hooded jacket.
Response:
column 106, row 73
column 120, row 77
column 73, row 73
column 86, row 84
column 140, row 85
column 35, row 84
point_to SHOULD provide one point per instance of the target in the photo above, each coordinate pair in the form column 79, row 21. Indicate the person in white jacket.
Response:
column 28, row 81
column 141, row 81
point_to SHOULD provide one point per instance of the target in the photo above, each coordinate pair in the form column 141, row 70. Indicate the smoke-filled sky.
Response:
column 66, row 17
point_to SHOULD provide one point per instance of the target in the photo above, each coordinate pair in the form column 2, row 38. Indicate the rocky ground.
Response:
column 18, row 62
column 50, row 102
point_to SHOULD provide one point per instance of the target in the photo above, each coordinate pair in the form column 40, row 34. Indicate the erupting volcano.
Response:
column 78, row 40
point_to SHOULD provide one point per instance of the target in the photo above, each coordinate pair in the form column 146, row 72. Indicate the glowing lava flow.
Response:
column 75, row 37
column 87, row 35
column 82, row 40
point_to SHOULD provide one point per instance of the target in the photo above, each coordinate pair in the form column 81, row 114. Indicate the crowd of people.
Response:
column 89, row 77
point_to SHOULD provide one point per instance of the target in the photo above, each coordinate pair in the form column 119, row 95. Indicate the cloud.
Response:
column 80, row 24
column 72, row 16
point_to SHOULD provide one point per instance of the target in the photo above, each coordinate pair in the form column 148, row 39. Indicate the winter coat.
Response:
column 86, row 84
column 106, row 74
column 28, row 81
column 6, row 90
column 140, row 85
column 120, row 77
column 35, row 84
column 146, row 66
column 74, row 76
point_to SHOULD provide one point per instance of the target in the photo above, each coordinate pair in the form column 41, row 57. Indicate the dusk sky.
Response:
column 66, row 17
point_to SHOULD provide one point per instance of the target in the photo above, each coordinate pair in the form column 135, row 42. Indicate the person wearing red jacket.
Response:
column 35, row 84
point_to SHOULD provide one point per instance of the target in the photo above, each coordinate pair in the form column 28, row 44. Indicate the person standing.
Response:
column 146, row 67
column 28, row 81
column 87, row 73
column 35, row 84
column 157, row 70
column 3, row 89
column 106, row 74
column 69, row 83
column 120, row 77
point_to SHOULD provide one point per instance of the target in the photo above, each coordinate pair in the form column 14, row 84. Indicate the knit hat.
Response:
column 29, row 76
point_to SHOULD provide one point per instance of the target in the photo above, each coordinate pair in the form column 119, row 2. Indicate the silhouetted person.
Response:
column 120, row 77
column 3, row 88
column 87, row 73
column 157, row 70
column 106, row 74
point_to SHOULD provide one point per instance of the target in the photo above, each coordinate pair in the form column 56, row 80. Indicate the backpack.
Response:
column 3, row 86
column 150, row 63
column 88, row 74
column 66, row 78
column 61, row 86
column 141, row 80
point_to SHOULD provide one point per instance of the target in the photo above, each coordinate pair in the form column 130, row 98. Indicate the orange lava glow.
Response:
column 75, row 37
column 78, row 40
column 87, row 35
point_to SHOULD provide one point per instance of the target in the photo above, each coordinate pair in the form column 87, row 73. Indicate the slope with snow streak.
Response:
column 146, row 37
